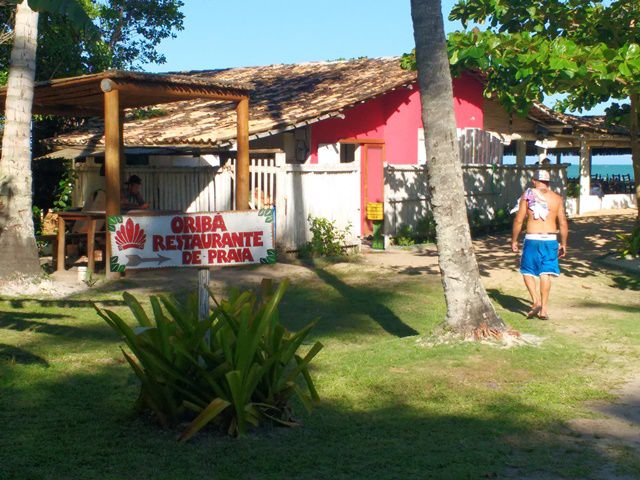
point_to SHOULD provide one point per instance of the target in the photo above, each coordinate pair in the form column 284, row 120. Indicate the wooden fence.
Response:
column 488, row 188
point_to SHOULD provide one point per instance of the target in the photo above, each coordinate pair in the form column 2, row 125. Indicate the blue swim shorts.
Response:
column 539, row 255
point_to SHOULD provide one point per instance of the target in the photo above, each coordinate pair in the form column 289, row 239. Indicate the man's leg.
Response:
column 530, row 283
column 545, row 288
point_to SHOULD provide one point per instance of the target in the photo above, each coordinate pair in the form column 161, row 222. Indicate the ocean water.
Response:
column 602, row 170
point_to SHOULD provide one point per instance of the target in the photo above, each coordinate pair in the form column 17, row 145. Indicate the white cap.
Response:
column 542, row 176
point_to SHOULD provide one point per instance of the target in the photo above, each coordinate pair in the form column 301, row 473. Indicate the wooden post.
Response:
column 61, row 245
column 242, row 162
column 112, row 161
column 585, row 176
column 91, row 239
column 204, row 277
column 521, row 152
column 123, row 157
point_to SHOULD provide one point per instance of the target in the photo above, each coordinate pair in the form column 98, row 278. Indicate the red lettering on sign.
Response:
column 206, row 240
column 246, row 255
column 222, row 256
column 170, row 241
column 206, row 224
column 186, row 258
column 177, row 224
column 233, row 256
column 226, row 240
column 238, row 239
column 158, row 243
column 189, row 224
column 218, row 223
column 196, row 243
column 257, row 239
column 196, row 260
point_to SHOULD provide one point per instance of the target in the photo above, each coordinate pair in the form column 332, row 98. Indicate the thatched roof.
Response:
column 283, row 97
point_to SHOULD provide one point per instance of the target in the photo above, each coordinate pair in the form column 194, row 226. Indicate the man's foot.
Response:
column 543, row 315
column 535, row 310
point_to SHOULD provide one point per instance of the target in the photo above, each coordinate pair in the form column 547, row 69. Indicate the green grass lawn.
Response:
column 390, row 407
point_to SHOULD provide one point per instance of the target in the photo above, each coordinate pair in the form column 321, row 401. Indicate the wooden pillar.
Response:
column 585, row 176
column 242, row 162
column 559, row 158
column 521, row 152
column 123, row 158
column 112, row 159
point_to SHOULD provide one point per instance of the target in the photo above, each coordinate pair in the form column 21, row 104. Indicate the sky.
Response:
column 221, row 34
column 224, row 33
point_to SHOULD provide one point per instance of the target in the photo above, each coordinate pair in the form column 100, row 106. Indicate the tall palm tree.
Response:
column 18, row 251
column 468, row 306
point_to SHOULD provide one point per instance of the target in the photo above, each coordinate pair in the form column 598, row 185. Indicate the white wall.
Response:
column 488, row 188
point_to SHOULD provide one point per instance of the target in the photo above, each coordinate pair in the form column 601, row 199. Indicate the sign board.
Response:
column 192, row 239
column 375, row 211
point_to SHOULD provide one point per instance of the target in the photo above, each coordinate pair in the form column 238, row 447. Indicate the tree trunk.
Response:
column 468, row 306
column 635, row 150
column 18, row 251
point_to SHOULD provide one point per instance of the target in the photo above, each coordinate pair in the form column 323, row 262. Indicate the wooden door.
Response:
column 372, row 182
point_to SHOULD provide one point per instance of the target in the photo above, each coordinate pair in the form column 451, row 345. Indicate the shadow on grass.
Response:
column 612, row 306
column 367, row 300
column 16, row 355
column 76, row 425
column 509, row 302
column 23, row 322
column 624, row 282
column 63, row 303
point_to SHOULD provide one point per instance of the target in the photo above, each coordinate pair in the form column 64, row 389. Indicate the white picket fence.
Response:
column 329, row 191
column 488, row 188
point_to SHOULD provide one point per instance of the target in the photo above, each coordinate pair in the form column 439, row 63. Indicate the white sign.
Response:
column 192, row 239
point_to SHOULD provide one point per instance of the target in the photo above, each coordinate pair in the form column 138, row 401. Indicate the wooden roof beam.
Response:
column 164, row 93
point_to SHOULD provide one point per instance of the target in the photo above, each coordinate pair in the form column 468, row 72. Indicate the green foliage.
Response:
column 423, row 231
column 630, row 243
column 586, row 50
column 235, row 369
column 146, row 113
column 573, row 189
column 327, row 240
column 64, row 191
column 128, row 34
column 72, row 9
column 405, row 237
column 37, row 219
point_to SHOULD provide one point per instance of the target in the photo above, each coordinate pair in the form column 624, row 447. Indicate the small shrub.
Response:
column 236, row 369
column 630, row 243
column 573, row 189
column 327, row 240
column 424, row 231
column 405, row 237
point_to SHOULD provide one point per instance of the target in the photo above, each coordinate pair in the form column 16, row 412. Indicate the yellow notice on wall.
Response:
column 375, row 211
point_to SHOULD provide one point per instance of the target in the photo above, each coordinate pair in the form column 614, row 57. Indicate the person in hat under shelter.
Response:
column 544, row 213
column 131, row 198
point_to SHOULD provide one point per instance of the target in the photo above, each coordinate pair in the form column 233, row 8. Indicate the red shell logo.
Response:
column 130, row 235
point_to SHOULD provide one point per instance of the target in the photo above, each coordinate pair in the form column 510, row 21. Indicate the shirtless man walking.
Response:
column 544, row 212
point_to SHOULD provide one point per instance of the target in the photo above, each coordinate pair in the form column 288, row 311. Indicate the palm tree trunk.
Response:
column 635, row 151
column 18, row 251
column 468, row 306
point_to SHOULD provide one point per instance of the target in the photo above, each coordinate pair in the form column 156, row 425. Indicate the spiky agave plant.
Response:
column 235, row 369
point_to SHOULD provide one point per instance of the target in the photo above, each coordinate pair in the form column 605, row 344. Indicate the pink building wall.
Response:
column 395, row 118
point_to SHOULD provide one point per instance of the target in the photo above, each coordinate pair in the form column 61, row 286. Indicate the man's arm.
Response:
column 564, row 229
column 517, row 224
